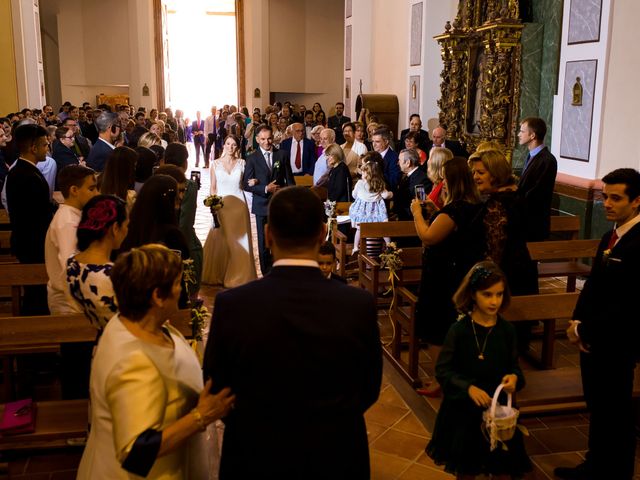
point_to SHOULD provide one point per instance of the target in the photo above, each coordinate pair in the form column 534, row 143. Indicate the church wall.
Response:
column 51, row 52
column 8, row 84
column 305, row 51
column 256, row 51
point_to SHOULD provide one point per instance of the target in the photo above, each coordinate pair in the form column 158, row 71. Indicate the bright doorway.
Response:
column 201, row 61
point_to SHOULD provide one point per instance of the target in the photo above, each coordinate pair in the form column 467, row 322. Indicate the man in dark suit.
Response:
column 81, row 145
column 267, row 170
column 30, row 209
column 439, row 139
column 537, row 180
column 302, row 152
column 302, row 355
column 336, row 121
column 197, row 128
column 606, row 328
column 381, row 141
column 108, row 132
column 413, row 175
column 415, row 125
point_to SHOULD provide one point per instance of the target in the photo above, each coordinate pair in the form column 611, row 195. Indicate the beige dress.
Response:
column 136, row 386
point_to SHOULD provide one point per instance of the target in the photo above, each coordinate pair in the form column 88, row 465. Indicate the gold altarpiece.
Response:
column 480, row 89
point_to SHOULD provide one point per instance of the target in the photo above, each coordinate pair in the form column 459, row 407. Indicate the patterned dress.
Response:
column 91, row 287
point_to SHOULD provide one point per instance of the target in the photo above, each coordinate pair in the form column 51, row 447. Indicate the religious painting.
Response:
column 415, row 53
column 348, row 6
column 347, row 55
column 475, row 85
column 347, row 96
column 577, row 109
column 584, row 21
column 414, row 94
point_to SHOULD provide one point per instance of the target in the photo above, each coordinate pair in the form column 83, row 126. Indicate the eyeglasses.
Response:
column 69, row 138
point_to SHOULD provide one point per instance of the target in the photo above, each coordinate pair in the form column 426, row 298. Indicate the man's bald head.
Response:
column 298, row 131
column 327, row 137
column 438, row 136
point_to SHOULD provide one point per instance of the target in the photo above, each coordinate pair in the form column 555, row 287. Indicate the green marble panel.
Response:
column 593, row 221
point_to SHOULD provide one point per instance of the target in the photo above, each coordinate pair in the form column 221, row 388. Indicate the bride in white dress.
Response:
column 228, row 251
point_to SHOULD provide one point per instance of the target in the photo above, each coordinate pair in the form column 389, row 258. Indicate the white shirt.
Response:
column 292, row 157
column 295, row 262
column 621, row 230
column 359, row 148
column 209, row 124
column 320, row 168
column 59, row 244
column 268, row 156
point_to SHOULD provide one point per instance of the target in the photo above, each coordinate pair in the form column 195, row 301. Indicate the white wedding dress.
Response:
column 228, row 250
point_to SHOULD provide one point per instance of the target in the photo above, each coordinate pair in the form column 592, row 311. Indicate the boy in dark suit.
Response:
column 327, row 262
column 303, row 356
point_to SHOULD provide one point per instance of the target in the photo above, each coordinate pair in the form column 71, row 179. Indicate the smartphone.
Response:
column 195, row 177
column 420, row 193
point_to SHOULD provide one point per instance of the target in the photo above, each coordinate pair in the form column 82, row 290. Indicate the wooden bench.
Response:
column 567, row 226
column 303, row 180
column 340, row 240
column 56, row 421
column 404, row 316
column 370, row 274
column 561, row 258
column 4, row 218
column 17, row 275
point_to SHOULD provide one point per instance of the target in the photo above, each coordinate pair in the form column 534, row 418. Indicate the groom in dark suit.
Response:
column 267, row 170
column 302, row 355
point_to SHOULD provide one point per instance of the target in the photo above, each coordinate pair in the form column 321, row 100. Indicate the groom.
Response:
column 267, row 170
column 301, row 353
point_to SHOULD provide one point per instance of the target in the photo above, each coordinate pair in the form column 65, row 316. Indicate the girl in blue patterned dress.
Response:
column 102, row 228
column 369, row 195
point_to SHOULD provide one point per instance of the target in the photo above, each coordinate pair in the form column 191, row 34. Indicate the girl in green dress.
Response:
column 479, row 353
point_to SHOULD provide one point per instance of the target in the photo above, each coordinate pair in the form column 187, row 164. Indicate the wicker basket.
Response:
column 500, row 421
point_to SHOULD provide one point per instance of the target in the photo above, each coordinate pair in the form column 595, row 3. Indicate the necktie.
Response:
column 298, row 157
column 526, row 162
column 267, row 156
column 613, row 240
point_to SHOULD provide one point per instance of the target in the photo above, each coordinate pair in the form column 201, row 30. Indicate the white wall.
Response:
column 256, row 52
column 28, row 53
column 621, row 104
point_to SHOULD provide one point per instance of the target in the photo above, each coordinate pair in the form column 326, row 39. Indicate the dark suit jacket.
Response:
column 536, row 188
column 407, row 191
column 456, row 148
column 257, row 168
column 30, row 211
column 423, row 140
column 336, row 124
column 98, row 156
column 63, row 155
column 302, row 354
column 608, row 307
column 392, row 172
column 82, row 146
column 339, row 185
column 199, row 139
column 308, row 154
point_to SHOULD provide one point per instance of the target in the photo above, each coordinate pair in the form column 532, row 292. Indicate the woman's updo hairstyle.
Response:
column 98, row 215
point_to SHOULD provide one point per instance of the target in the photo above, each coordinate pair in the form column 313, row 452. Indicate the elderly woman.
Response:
column 150, row 409
column 339, row 184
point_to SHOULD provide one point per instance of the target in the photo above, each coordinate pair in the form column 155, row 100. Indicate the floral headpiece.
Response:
column 479, row 273
column 101, row 214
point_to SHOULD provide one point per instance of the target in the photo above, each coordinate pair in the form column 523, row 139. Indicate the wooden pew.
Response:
column 56, row 421
column 303, row 180
column 370, row 274
column 339, row 239
column 565, row 226
column 561, row 258
column 404, row 317
column 17, row 275
column 4, row 217
column 546, row 309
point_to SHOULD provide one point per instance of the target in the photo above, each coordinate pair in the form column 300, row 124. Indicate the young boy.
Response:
column 327, row 261
column 77, row 185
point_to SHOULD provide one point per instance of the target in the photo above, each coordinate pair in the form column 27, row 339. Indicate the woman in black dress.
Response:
column 505, row 227
column 339, row 183
column 453, row 243
column 478, row 355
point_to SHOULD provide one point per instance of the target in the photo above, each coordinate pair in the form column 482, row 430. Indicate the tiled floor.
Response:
column 398, row 424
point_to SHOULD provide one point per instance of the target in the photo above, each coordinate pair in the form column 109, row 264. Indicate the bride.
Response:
column 228, row 250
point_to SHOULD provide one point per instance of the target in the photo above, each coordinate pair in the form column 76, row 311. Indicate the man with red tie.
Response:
column 606, row 329
column 302, row 151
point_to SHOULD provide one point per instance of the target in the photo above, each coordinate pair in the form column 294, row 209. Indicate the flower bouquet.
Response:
column 390, row 260
column 215, row 203
column 330, row 212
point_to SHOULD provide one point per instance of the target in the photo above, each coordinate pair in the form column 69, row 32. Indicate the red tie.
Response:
column 298, row 157
column 613, row 239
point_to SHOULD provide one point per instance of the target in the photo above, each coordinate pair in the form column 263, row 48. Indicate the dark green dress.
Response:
column 458, row 442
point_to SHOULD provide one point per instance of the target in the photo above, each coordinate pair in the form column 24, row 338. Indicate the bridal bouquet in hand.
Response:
column 215, row 203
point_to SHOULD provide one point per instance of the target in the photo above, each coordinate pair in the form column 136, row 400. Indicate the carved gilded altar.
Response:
column 480, row 89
